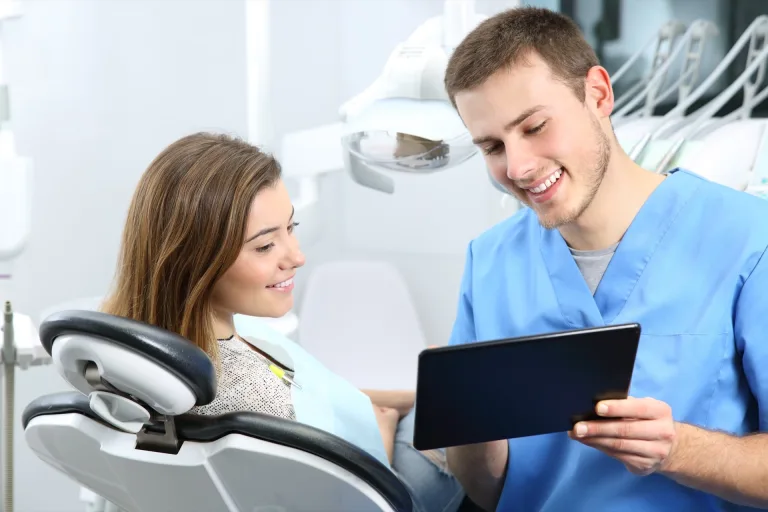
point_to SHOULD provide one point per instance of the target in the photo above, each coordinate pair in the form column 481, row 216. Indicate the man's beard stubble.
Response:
column 593, row 180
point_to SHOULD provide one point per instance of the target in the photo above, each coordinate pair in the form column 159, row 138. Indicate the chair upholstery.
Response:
column 178, row 460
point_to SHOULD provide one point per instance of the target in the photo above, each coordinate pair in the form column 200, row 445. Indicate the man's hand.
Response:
column 643, row 434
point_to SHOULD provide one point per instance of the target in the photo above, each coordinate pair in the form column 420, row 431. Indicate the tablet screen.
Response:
column 519, row 387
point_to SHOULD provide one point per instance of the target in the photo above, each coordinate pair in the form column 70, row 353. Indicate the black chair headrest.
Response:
column 176, row 354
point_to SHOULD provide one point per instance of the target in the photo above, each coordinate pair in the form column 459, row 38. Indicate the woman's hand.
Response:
column 387, row 420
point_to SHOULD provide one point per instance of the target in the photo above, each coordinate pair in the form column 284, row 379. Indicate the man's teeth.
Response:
column 550, row 181
column 283, row 284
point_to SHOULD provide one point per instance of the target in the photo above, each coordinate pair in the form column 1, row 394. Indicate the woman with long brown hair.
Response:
column 210, row 234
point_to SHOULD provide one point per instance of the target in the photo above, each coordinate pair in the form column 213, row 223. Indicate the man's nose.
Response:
column 520, row 162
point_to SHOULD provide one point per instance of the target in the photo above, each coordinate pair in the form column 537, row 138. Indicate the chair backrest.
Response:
column 286, row 325
column 127, row 436
column 358, row 319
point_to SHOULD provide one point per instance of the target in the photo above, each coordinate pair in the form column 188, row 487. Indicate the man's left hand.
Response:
column 642, row 435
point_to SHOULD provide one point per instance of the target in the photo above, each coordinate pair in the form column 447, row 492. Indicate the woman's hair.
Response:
column 185, row 227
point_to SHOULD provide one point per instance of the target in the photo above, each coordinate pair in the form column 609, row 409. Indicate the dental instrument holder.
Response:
column 703, row 118
column 676, row 120
column 691, row 46
column 664, row 43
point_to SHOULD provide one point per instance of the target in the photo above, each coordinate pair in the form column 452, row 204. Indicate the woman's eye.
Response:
column 270, row 245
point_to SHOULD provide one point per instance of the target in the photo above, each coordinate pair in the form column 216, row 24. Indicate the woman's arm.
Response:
column 402, row 401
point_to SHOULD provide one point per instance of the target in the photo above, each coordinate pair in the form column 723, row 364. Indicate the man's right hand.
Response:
column 481, row 470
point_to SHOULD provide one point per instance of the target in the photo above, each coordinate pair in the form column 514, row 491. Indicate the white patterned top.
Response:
column 246, row 384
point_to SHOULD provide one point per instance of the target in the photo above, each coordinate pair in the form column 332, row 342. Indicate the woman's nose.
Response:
column 298, row 258
column 295, row 256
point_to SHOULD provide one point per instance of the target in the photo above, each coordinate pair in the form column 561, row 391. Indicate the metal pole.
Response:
column 9, row 361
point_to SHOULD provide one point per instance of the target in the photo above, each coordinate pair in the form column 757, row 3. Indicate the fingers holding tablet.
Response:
column 639, row 432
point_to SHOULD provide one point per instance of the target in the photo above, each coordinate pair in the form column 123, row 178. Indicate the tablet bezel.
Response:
column 435, row 429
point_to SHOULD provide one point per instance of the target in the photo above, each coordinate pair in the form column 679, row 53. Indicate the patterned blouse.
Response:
column 246, row 384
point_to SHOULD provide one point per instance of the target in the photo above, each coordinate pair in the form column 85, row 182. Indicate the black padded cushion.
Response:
column 176, row 354
column 190, row 427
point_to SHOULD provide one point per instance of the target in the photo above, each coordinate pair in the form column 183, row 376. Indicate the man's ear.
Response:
column 599, row 91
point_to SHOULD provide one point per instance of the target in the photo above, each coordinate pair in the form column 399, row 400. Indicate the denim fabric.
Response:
column 432, row 487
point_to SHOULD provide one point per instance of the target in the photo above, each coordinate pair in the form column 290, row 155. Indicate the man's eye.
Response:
column 536, row 129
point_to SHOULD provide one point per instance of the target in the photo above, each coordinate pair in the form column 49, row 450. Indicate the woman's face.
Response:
column 260, row 282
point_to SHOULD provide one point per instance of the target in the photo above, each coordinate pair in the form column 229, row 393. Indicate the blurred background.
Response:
column 99, row 87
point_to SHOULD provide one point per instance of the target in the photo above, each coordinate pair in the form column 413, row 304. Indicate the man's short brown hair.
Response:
column 509, row 37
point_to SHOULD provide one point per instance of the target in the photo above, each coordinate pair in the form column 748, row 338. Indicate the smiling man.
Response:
column 606, row 242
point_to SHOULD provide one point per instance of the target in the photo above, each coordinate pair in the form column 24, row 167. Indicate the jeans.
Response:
column 432, row 487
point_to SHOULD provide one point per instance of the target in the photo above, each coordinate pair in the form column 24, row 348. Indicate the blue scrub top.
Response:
column 691, row 271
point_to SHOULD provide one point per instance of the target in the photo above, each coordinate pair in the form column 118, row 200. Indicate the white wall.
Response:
column 98, row 89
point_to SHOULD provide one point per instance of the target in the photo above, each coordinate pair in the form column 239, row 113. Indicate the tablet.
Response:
column 505, row 389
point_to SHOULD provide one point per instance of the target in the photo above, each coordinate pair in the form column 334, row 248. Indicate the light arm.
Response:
column 401, row 400
column 733, row 468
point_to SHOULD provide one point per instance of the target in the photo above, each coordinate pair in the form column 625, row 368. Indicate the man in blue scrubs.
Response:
column 606, row 242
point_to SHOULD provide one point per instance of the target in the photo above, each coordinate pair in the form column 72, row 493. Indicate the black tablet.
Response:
column 486, row 391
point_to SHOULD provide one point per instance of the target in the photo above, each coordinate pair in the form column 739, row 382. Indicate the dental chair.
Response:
column 359, row 320
column 286, row 325
column 126, row 432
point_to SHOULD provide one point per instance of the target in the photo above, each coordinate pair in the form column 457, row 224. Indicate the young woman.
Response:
column 210, row 234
